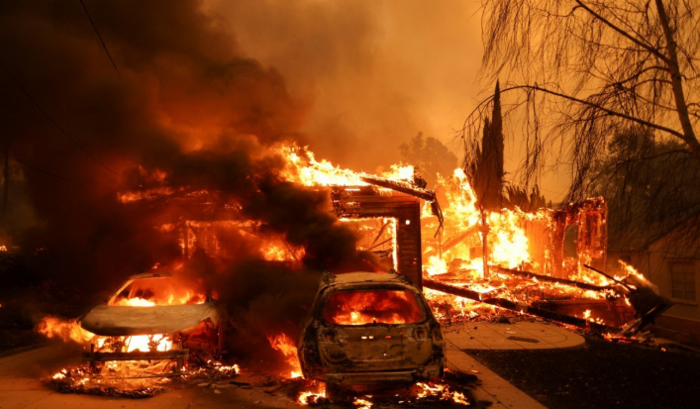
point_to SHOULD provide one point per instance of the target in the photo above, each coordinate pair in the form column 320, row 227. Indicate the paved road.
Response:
column 21, row 386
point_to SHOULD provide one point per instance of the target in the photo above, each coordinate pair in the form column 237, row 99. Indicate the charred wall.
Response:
column 369, row 201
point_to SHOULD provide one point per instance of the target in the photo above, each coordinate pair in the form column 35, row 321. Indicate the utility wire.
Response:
column 46, row 114
column 114, row 64
column 46, row 172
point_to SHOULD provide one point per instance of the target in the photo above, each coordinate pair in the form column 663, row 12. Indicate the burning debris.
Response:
column 137, row 379
column 422, row 394
column 561, row 288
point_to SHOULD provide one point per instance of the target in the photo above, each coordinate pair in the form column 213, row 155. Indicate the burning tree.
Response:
column 583, row 69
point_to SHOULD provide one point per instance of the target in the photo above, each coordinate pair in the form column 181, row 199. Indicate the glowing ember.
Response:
column 149, row 194
column 440, row 392
column 288, row 348
column 362, row 403
column 311, row 398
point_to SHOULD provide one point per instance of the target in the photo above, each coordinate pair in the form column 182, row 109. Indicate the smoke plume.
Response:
column 170, row 101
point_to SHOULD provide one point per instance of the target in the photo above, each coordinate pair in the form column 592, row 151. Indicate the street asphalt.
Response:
column 22, row 387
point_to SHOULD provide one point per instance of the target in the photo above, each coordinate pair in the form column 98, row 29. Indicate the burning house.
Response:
column 432, row 238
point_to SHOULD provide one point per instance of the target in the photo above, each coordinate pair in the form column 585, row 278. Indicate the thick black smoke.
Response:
column 182, row 100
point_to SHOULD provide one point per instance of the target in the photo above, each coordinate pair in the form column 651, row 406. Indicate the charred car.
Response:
column 370, row 330
column 156, row 316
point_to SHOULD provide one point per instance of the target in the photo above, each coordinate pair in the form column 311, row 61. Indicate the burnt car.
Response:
column 157, row 316
column 370, row 330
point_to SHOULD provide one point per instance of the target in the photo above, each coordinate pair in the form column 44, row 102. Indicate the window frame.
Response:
column 693, row 263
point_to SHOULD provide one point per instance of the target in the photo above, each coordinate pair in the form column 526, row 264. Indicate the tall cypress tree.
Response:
column 488, row 175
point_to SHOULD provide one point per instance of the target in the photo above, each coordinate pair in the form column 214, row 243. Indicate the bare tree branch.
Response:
column 582, row 71
column 622, row 32
column 598, row 107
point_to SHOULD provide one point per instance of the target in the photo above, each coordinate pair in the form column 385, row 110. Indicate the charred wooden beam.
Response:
column 410, row 189
column 520, row 307
column 451, row 289
column 136, row 355
column 609, row 277
column 402, row 187
column 550, row 279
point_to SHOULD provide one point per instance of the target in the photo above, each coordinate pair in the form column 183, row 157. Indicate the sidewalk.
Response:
column 520, row 335
column 524, row 335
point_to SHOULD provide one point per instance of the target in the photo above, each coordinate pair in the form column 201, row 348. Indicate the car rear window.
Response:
column 372, row 307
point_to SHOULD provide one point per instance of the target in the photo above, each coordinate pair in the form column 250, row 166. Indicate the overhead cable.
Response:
column 114, row 64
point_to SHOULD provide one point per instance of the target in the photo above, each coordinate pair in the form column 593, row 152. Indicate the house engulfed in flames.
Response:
column 545, row 263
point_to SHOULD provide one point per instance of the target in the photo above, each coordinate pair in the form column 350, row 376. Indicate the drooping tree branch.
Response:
column 598, row 107
column 623, row 33
column 589, row 69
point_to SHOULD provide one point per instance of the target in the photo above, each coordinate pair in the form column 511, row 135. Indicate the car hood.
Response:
column 110, row 320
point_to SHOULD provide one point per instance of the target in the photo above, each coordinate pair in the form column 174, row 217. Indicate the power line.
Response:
column 55, row 124
column 114, row 64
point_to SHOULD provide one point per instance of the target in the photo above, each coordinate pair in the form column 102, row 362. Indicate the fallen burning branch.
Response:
column 642, row 295
column 513, row 306
column 549, row 279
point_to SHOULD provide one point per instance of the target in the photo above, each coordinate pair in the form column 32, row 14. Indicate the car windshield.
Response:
column 372, row 307
column 164, row 290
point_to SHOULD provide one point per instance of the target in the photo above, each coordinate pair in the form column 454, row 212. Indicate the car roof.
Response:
column 149, row 275
column 362, row 277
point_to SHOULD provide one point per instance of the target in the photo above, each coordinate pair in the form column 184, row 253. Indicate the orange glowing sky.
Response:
column 374, row 73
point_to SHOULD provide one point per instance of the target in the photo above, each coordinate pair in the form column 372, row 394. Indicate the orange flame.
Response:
column 441, row 392
column 285, row 345
column 67, row 330
column 308, row 398
column 367, row 307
